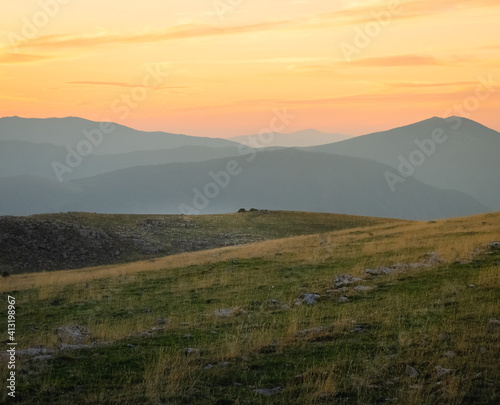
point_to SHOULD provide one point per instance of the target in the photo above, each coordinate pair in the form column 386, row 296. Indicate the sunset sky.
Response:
column 228, row 68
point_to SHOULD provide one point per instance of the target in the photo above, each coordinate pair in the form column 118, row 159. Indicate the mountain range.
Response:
column 145, row 172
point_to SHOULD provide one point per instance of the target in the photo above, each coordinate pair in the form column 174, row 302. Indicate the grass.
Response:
column 423, row 318
column 145, row 237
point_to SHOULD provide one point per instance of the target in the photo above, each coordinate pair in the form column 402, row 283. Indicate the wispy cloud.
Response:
column 121, row 84
column 352, row 15
column 10, row 58
column 398, row 60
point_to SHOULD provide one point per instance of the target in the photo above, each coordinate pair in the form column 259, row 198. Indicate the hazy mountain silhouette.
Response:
column 19, row 158
column 120, row 139
column 466, row 161
column 284, row 179
column 307, row 137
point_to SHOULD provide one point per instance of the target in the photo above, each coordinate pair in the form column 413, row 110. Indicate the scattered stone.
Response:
column 34, row 351
column 494, row 325
column 363, row 288
column 472, row 286
column 444, row 336
column 268, row 391
column 411, row 372
column 73, row 334
column 73, row 347
column 310, row 299
column 43, row 357
column 415, row 387
column 131, row 346
column 188, row 336
column 223, row 364
column 213, row 332
column 190, row 350
column 440, row 371
column 389, row 383
column 380, row 271
column 360, row 328
column 344, row 279
column 208, row 366
column 450, row 354
column 161, row 321
column 298, row 302
column 494, row 245
column 343, row 299
column 227, row 312
column 311, row 331
column 237, row 384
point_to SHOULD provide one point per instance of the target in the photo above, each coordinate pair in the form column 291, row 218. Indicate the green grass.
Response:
column 411, row 318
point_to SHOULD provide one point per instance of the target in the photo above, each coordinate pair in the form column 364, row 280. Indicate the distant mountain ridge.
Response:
column 438, row 169
column 466, row 159
column 290, row 179
column 304, row 138
column 117, row 138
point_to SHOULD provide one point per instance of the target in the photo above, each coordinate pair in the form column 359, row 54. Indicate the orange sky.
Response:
column 229, row 67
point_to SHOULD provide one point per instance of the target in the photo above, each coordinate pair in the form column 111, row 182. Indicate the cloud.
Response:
column 121, row 84
column 398, row 60
column 10, row 58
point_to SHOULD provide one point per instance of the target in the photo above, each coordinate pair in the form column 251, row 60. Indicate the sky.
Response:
column 223, row 68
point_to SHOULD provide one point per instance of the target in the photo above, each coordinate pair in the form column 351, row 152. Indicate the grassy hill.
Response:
column 76, row 240
column 225, row 326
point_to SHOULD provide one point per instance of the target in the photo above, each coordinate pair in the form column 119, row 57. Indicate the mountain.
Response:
column 307, row 137
column 464, row 157
column 287, row 179
column 106, row 138
column 18, row 158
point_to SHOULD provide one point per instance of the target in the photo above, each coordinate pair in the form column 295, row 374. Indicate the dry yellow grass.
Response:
column 395, row 238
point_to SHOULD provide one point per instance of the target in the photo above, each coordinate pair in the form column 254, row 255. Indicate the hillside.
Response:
column 288, row 179
column 466, row 160
column 275, row 322
column 76, row 240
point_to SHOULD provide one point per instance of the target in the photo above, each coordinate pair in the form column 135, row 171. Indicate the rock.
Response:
column 311, row 331
column 227, row 312
column 190, row 350
column 34, row 351
column 380, row 271
column 494, row 245
column 73, row 347
column 440, row 371
column 363, row 288
column 73, row 334
column 343, row 280
column 268, row 391
column 343, row 299
column 494, row 325
column 411, row 372
column 208, row 367
column 161, row 321
column 450, row 354
column 237, row 384
column 310, row 299
column 43, row 357
column 187, row 336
